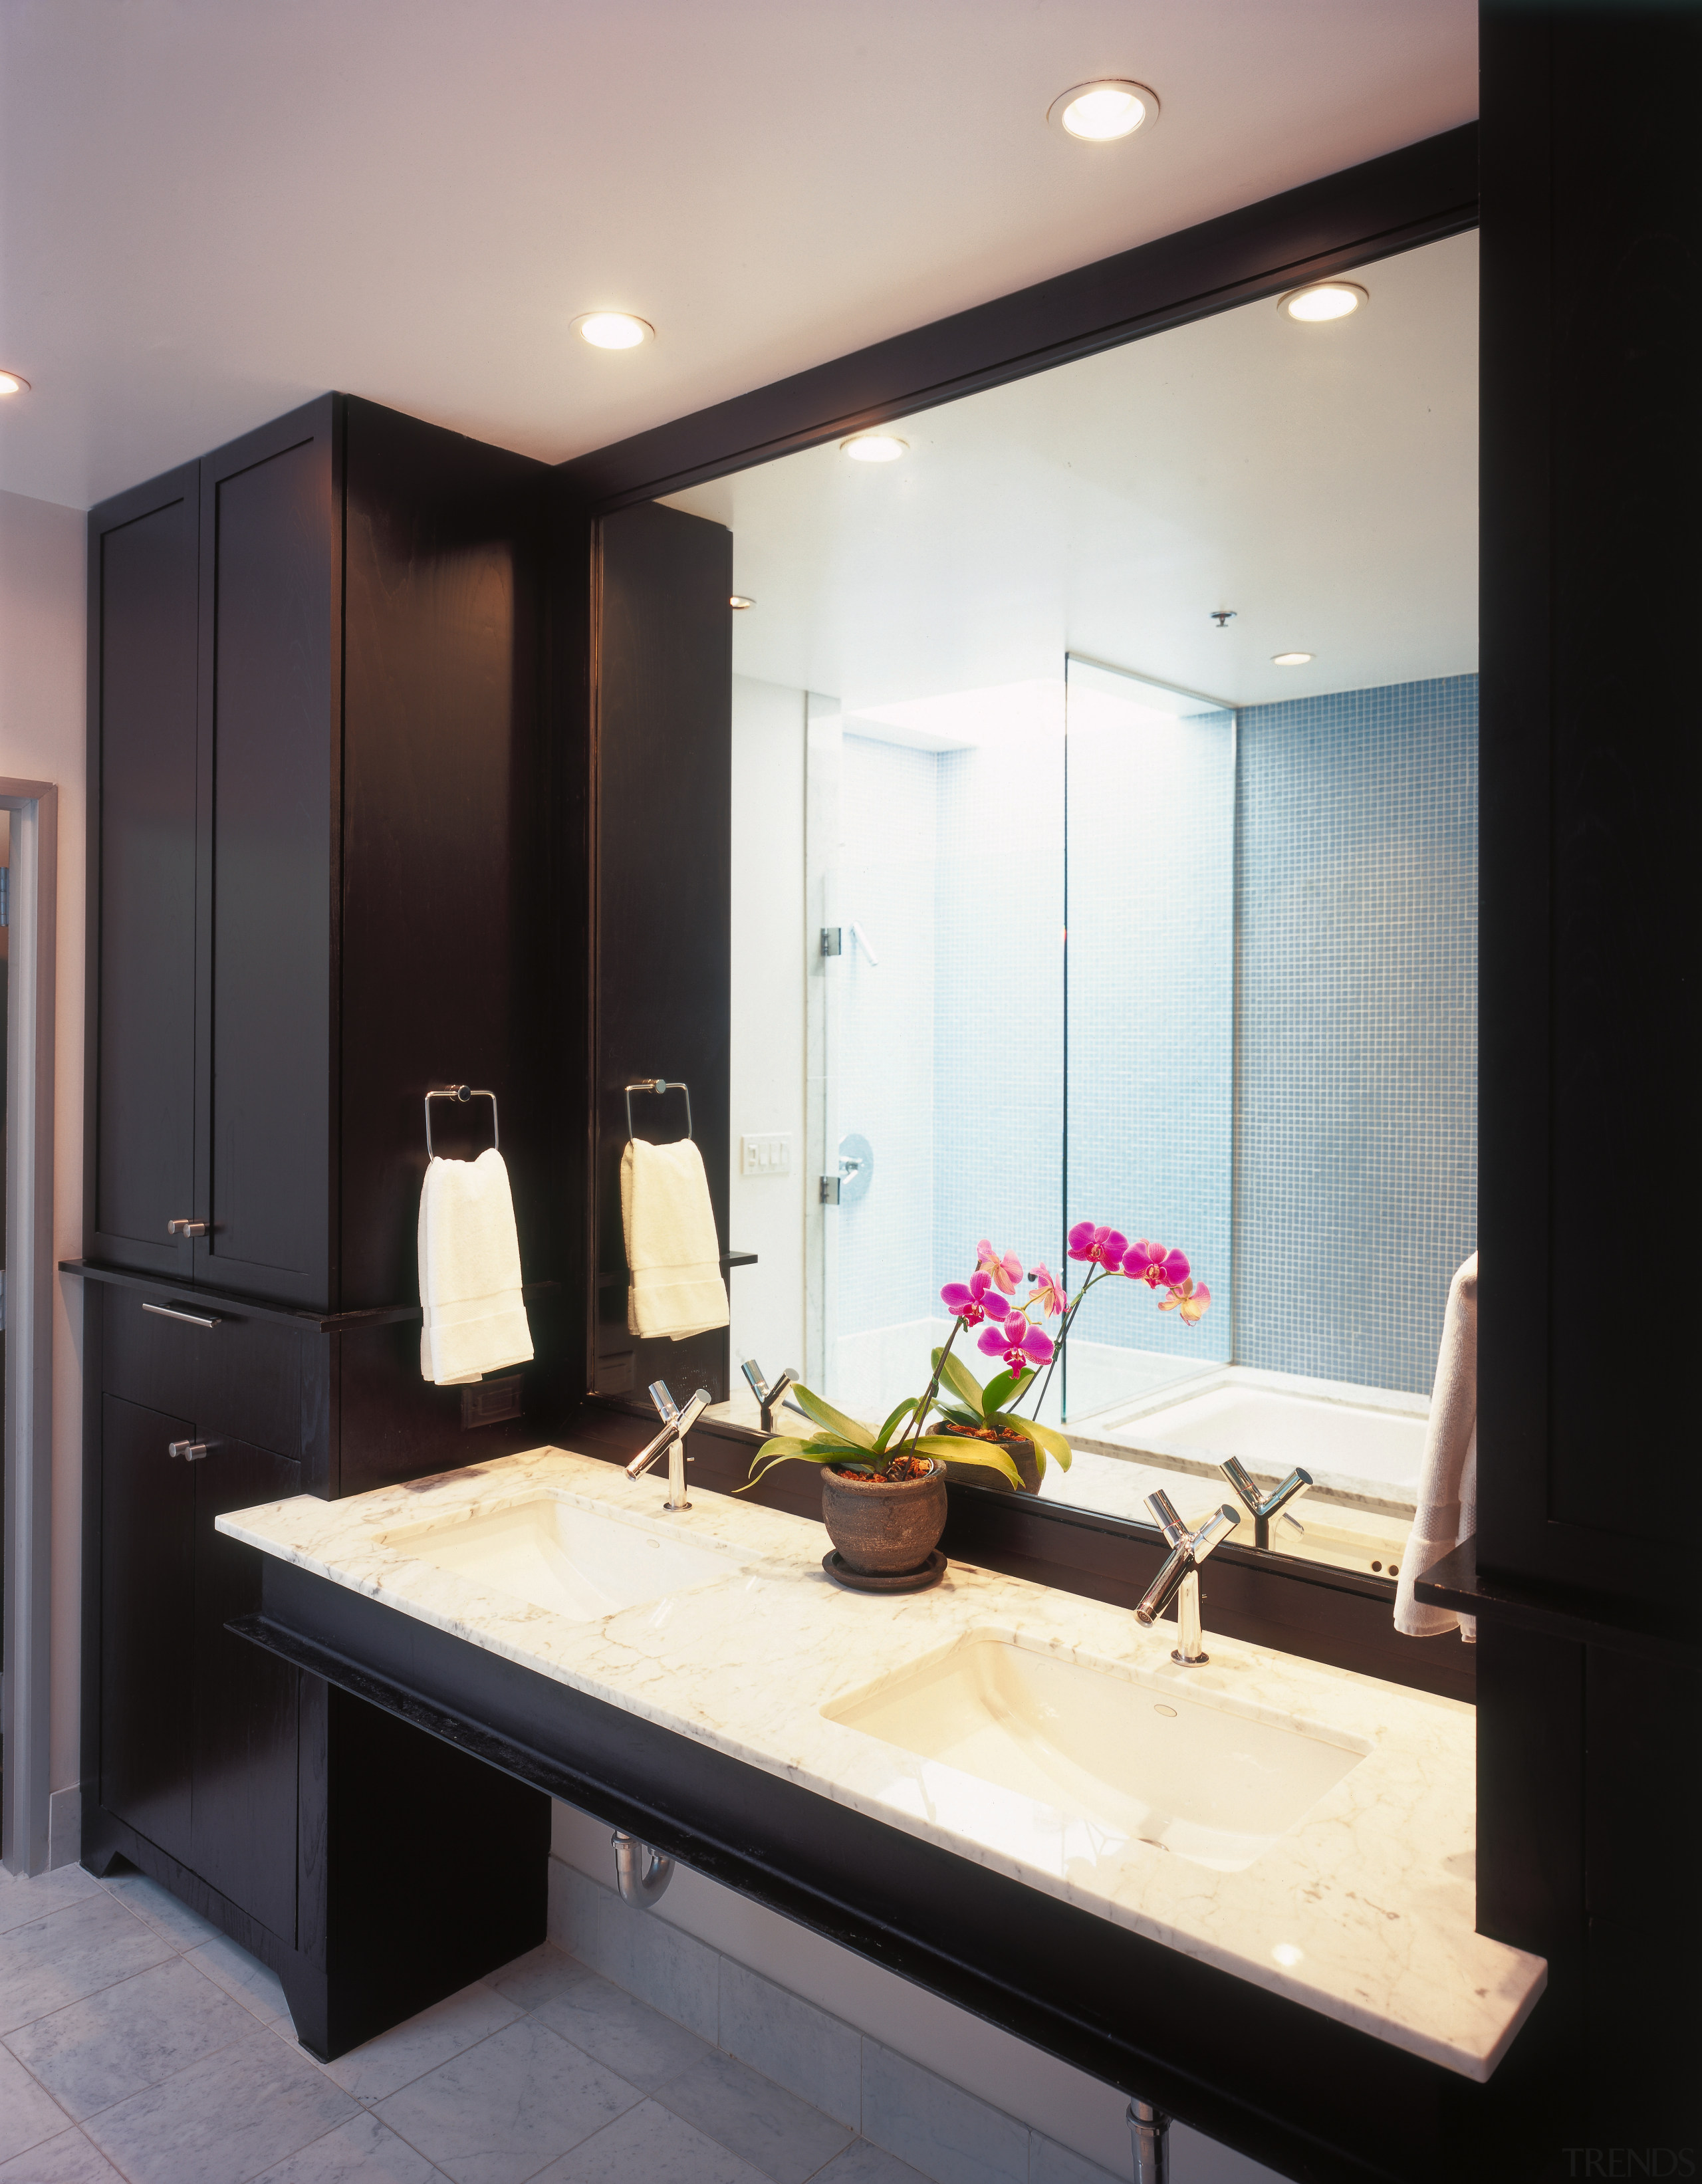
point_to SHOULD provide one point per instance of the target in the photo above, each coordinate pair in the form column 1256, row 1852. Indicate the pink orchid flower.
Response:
column 1188, row 1300
column 1049, row 1290
column 1101, row 1245
column 1152, row 1264
column 1018, row 1343
column 968, row 1301
column 1006, row 1269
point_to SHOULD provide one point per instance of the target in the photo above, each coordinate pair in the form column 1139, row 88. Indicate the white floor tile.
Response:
column 224, row 2119
column 362, row 2151
column 642, row 2046
column 159, row 1908
column 23, row 1898
column 244, row 1978
column 503, row 2110
column 781, row 2136
column 67, row 2159
column 28, row 2113
column 649, row 2145
column 129, row 2036
column 91, row 1943
column 395, row 2058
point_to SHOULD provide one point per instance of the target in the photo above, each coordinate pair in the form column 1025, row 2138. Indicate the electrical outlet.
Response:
column 766, row 1152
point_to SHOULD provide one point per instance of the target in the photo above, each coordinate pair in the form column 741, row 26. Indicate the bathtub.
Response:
column 1364, row 1447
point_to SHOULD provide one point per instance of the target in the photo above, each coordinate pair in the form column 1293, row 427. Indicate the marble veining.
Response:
column 1362, row 1910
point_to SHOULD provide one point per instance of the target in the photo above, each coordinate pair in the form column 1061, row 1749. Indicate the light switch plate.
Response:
column 766, row 1152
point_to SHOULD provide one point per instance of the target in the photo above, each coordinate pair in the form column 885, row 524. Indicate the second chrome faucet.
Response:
column 1179, row 1578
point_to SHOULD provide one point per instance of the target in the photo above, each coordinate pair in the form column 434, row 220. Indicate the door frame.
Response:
column 26, row 1714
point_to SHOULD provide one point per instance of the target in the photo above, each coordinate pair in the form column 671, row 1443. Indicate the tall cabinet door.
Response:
column 147, row 1520
column 269, row 753
column 244, row 1701
column 142, row 1106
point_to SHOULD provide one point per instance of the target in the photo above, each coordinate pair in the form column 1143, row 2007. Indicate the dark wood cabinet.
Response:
column 319, row 850
column 143, row 560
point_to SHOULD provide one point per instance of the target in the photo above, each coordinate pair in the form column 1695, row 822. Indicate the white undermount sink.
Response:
column 577, row 1562
column 1205, row 1777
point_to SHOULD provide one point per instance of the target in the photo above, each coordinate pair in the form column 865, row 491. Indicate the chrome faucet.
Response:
column 677, row 1424
column 1179, row 1578
column 768, row 1397
column 1262, row 1510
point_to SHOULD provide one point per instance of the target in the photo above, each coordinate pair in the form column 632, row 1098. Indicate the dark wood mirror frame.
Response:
column 655, row 735
column 1588, row 1652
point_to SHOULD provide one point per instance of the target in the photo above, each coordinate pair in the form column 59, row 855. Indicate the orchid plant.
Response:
column 1013, row 1333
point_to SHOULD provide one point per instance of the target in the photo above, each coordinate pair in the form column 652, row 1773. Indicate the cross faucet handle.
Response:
column 666, row 1409
column 1165, row 1516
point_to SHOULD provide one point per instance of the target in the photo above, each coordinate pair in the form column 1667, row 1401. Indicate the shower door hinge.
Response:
column 830, row 1189
column 832, row 939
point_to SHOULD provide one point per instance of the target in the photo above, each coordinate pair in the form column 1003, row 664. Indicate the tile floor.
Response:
column 136, row 2043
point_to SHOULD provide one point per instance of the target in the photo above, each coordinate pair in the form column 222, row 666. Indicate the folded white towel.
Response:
column 1447, row 1511
column 475, row 1322
column 677, row 1286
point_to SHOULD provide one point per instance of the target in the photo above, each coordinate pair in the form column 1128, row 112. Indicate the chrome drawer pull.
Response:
column 186, row 1228
column 188, row 1318
column 191, row 1451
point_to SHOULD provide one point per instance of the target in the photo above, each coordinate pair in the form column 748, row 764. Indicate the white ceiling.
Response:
column 211, row 210
column 1321, row 480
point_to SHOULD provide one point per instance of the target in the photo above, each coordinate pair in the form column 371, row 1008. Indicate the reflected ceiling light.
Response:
column 1287, row 1955
column 740, row 603
column 1100, row 112
column 1323, row 299
column 613, row 329
column 873, row 447
column 1289, row 659
column 11, row 383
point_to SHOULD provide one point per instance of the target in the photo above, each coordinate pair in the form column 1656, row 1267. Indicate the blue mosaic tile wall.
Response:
column 1356, row 1100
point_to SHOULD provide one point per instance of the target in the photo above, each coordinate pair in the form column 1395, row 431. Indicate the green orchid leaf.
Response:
column 1017, row 1392
column 997, row 1393
column 885, row 1434
column 836, row 1422
column 1048, row 1442
column 785, row 1448
column 959, row 1415
column 962, row 1379
column 951, row 1451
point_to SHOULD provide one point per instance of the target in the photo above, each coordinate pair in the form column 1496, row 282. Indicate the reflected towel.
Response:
column 676, row 1287
column 475, row 1322
column 1447, row 1511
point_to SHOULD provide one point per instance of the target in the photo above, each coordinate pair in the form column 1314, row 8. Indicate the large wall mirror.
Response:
column 1103, row 849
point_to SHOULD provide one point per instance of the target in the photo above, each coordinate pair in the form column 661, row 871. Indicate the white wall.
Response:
column 42, row 615
column 766, row 1214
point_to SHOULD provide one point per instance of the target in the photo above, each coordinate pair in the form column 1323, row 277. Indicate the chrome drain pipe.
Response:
column 1150, row 2129
column 641, row 1871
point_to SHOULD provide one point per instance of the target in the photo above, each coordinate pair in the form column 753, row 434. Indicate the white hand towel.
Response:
column 1447, row 1511
column 475, row 1322
column 676, row 1287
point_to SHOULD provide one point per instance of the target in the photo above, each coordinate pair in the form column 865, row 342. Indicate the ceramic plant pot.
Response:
column 884, row 1527
column 1021, row 1451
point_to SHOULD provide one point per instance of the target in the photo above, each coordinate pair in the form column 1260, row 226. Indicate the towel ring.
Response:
column 658, row 1084
column 461, row 1093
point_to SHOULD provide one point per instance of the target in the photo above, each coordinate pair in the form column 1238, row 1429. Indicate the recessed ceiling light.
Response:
column 1289, row 659
column 1100, row 113
column 10, row 384
column 739, row 603
column 613, row 329
column 875, row 448
column 1325, row 299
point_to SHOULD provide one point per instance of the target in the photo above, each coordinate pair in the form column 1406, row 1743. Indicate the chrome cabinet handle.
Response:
column 191, row 1451
column 186, row 1228
column 188, row 1318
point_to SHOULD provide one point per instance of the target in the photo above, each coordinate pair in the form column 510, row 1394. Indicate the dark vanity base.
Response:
column 1223, row 2055
column 420, row 1870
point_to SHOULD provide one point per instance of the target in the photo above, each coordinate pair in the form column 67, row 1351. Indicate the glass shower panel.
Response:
column 1150, row 1015
column 939, row 881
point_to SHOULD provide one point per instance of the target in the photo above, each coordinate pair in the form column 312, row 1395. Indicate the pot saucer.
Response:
column 916, row 1580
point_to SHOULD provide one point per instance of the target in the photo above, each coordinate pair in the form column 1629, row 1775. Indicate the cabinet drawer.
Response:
column 247, row 1378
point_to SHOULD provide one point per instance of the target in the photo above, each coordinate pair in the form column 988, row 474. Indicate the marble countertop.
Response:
column 1364, row 1911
